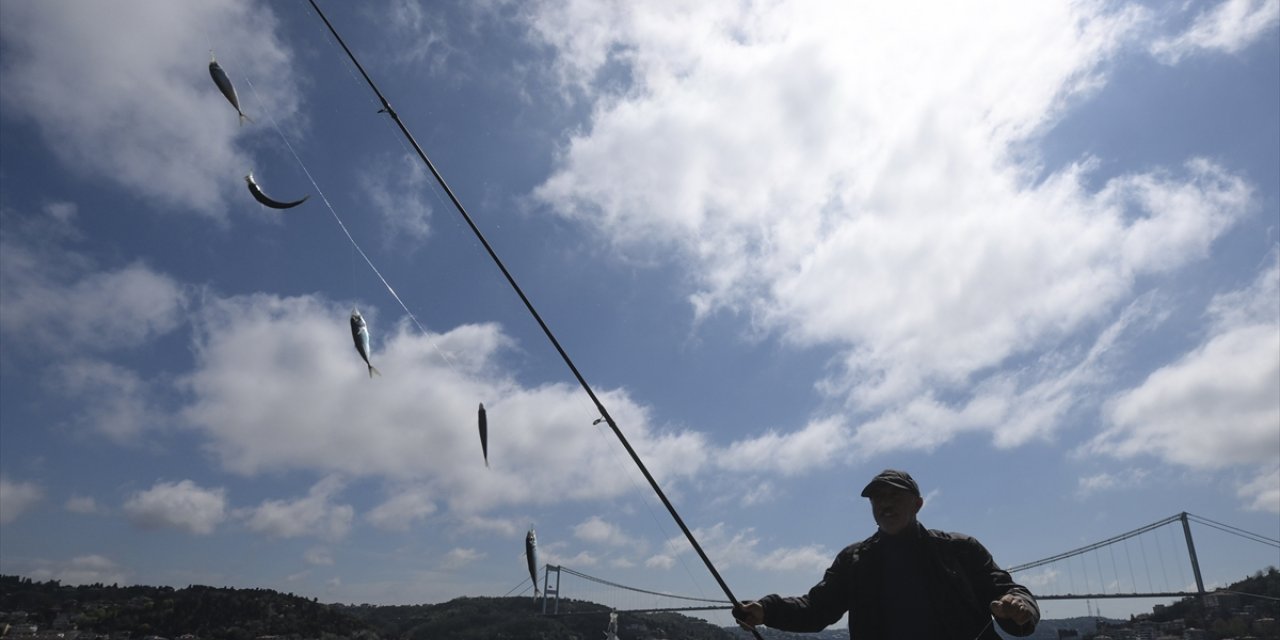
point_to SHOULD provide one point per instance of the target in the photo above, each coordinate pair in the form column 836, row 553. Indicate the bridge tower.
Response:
column 1195, row 562
column 548, row 591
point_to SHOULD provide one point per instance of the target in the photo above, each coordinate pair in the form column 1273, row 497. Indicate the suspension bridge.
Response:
column 1158, row 560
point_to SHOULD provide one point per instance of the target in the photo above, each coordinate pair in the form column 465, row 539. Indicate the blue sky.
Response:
column 1029, row 252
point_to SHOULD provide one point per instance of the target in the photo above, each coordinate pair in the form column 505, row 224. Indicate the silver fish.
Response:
column 360, row 333
column 264, row 199
column 484, row 435
column 224, row 85
column 531, row 554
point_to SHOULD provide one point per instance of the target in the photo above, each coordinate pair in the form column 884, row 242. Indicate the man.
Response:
column 905, row 582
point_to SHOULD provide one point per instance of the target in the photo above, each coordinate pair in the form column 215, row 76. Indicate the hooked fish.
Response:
column 224, row 85
column 360, row 333
column 531, row 554
column 264, row 199
column 484, row 435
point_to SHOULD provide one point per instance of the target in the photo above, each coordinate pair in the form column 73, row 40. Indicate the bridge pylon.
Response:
column 550, row 594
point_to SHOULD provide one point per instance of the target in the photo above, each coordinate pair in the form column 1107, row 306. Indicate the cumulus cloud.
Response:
column 304, row 401
column 415, row 36
column 1229, row 27
column 817, row 445
column 596, row 530
column 1106, row 481
column 760, row 493
column 402, row 510
column 318, row 556
column 84, row 505
column 312, row 515
column 742, row 548
column 397, row 189
column 1015, row 406
column 115, row 401
column 905, row 226
column 1218, row 405
column 80, row 570
column 16, row 498
column 1262, row 493
column 459, row 557
column 501, row 527
column 184, row 506
column 53, row 300
column 132, row 101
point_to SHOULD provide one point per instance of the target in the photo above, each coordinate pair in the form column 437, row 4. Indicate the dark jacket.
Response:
column 962, row 580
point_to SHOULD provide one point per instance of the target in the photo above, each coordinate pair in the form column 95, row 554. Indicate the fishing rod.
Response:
column 604, row 413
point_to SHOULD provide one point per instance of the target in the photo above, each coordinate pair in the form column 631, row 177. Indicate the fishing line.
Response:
column 668, row 544
column 343, row 226
column 604, row 413
column 666, row 536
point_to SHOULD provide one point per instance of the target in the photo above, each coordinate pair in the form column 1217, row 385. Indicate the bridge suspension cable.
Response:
column 1247, row 535
column 1060, row 571
column 623, row 598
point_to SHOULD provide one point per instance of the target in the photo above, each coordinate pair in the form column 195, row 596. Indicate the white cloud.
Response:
column 133, row 101
column 403, row 510
column 762, row 492
column 1229, row 28
column 660, row 561
column 581, row 559
column 183, row 505
column 319, row 556
column 1262, row 493
column 742, row 548
column 113, row 400
column 16, row 498
column 903, row 225
column 596, row 530
column 1041, row 578
column 819, row 444
column 1099, row 482
column 813, row 558
column 413, row 36
column 55, row 301
column 82, row 570
column 397, row 190
column 304, row 401
column 1218, row 405
column 312, row 515
column 84, row 505
column 459, row 557
column 501, row 527
column 1015, row 406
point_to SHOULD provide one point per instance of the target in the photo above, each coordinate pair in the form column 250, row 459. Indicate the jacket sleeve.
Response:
column 990, row 583
column 817, row 610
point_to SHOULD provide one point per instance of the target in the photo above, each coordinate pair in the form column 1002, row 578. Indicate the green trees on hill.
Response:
column 248, row 614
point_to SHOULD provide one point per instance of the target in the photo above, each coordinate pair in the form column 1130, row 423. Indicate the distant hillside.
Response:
column 517, row 618
column 207, row 612
column 245, row 614
column 215, row 613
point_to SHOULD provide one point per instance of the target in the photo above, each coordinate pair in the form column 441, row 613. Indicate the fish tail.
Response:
column 243, row 117
column 373, row 370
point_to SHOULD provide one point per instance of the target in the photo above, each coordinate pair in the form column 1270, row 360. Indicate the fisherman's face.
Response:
column 894, row 509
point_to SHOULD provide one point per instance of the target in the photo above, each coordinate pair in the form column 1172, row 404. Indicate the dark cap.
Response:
column 894, row 479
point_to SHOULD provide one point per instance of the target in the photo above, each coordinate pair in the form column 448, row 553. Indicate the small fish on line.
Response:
column 360, row 334
column 484, row 435
column 531, row 554
column 224, row 85
column 264, row 199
